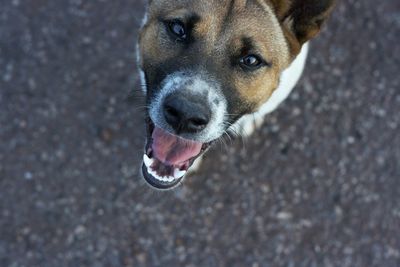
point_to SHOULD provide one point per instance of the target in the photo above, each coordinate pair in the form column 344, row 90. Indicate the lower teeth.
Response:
column 177, row 172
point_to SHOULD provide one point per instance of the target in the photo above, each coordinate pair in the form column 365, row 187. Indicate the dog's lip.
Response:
column 149, row 174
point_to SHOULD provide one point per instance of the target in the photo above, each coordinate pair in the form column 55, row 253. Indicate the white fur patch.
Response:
column 138, row 59
column 144, row 20
column 288, row 81
column 141, row 72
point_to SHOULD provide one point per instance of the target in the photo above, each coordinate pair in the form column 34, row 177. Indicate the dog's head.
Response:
column 207, row 63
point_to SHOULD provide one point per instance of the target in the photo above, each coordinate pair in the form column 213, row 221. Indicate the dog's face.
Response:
column 207, row 63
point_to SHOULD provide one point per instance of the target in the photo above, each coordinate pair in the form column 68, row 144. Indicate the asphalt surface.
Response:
column 317, row 185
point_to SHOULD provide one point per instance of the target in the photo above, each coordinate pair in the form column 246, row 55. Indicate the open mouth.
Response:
column 167, row 157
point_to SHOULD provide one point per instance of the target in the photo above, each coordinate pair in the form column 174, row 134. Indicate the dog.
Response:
column 214, row 67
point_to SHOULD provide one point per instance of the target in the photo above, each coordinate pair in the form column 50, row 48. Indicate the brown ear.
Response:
column 302, row 19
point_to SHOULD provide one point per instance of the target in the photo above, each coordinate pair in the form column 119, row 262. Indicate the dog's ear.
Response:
column 302, row 19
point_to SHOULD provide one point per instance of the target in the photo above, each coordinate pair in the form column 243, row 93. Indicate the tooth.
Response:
column 163, row 179
column 166, row 179
column 152, row 173
column 171, row 179
column 147, row 161
column 178, row 173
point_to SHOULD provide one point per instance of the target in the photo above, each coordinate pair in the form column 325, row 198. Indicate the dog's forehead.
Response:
column 216, row 11
column 228, row 22
column 200, row 4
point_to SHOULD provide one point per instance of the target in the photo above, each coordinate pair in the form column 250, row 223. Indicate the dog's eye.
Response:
column 177, row 28
column 251, row 62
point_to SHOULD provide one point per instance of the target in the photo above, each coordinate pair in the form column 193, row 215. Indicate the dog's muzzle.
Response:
column 185, row 117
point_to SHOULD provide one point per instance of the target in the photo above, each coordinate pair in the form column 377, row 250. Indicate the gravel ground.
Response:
column 318, row 185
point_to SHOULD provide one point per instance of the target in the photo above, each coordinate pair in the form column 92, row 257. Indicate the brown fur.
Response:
column 278, row 28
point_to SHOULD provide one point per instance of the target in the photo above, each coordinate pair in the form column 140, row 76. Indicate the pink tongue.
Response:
column 173, row 150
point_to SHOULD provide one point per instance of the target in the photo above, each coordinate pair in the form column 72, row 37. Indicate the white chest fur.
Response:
column 289, row 78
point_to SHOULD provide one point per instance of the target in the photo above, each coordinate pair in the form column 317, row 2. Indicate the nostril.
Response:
column 172, row 115
column 196, row 124
column 171, row 111
column 199, row 122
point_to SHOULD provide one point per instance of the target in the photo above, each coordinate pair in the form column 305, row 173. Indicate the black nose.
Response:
column 186, row 114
